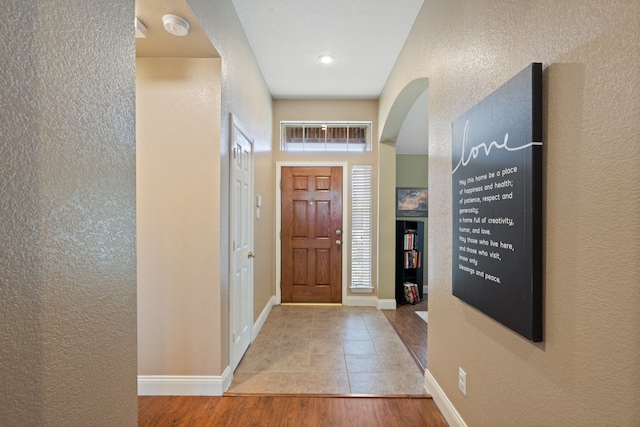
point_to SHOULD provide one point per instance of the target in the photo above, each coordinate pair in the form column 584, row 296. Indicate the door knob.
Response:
column 338, row 232
column 251, row 255
column 338, row 242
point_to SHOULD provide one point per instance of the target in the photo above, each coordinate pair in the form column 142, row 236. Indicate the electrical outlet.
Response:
column 462, row 381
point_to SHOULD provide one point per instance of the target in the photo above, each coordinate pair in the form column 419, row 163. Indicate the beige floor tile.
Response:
column 328, row 383
column 291, row 362
column 249, row 382
column 376, row 314
column 383, row 333
column 256, row 363
column 389, row 346
column 296, row 334
column 287, row 382
column 356, row 309
column 406, row 383
column 326, row 346
column 369, row 383
column 364, row 363
column 327, row 349
column 356, row 335
column 377, row 323
column 261, row 349
column 359, row 347
column 400, row 362
column 331, row 332
column 346, row 315
column 352, row 323
column 327, row 363
column 333, row 323
column 296, row 323
column 294, row 346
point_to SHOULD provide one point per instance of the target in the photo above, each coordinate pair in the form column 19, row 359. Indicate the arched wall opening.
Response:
column 392, row 128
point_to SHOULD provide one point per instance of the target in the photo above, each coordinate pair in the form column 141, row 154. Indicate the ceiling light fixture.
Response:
column 326, row 58
column 175, row 25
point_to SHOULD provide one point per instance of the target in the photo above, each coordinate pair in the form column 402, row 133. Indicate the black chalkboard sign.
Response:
column 497, row 204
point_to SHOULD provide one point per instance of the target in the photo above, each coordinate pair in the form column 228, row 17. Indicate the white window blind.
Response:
column 361, row 226
column 325, row 136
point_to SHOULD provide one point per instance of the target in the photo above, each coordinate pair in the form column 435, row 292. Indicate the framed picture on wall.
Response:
column 411, row 201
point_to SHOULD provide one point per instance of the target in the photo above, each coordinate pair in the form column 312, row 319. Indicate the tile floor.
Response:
column 327, row 350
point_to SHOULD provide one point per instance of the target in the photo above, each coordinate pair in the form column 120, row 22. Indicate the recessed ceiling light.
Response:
column 326, row 58
column 175, row 25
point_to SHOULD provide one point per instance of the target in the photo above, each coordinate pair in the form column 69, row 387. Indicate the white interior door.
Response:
column 241, row 233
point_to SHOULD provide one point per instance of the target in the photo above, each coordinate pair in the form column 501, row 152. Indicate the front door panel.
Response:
column 312, row 234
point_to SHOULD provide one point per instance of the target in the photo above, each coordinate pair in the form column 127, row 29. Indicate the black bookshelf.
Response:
column 409, row 258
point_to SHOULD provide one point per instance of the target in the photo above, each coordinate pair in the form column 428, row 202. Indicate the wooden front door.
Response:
column 312, row 234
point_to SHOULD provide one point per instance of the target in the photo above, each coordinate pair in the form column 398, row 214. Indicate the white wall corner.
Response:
column 187, row 385
column 259, row 323
column 442, row 401
column 386, row 304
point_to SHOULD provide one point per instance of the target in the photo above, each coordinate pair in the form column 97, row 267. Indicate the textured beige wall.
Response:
column 67, row 209
column 178, row 182
column 586, row 371
column 244, row 94
column 332, row 110
column 387, row 221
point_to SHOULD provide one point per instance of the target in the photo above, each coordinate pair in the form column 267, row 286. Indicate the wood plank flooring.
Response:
column 411, row 329
column 287, row 410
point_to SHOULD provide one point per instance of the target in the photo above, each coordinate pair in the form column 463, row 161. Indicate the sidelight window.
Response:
column 361, row 226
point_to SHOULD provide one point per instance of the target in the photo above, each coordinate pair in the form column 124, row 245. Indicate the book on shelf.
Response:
column 410, row 240
column 411, row 293
column 412, row 259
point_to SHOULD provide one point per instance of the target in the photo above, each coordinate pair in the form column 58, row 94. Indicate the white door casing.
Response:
column 345, row 224
column 241, row 243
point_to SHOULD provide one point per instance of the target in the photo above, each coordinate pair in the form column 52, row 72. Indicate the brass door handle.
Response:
column 338, row 242
column 251, row 255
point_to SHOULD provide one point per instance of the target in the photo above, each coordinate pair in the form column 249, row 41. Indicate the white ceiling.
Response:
column 287, row 36
column 365, row 36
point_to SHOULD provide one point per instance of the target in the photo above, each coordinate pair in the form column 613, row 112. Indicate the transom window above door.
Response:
column 325, row 136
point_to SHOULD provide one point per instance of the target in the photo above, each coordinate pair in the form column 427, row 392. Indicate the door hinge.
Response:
column 280, row 234
column 280, row 184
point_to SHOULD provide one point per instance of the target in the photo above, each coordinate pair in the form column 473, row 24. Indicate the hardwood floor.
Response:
column 289, row 410
column 411, row 329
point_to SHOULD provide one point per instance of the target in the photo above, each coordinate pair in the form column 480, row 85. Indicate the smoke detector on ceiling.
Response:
column 175, row 25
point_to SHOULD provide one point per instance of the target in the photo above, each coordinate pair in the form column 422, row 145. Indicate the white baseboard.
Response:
column 444, row 404
column 361, row 301
column 370, row 301
column 262, row 318
column 187, row 385
column 386, row 304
